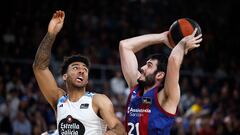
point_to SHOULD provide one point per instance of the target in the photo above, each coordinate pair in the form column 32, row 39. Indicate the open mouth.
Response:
column 80, row 78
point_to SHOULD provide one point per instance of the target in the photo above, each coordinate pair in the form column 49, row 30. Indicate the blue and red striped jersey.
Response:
column 144, row 114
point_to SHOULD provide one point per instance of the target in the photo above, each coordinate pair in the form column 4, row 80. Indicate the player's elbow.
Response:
column 123, row 45
column 37, row 66
column 34, row 66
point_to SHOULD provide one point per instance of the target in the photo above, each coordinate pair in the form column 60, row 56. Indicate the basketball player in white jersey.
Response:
column 78, row 112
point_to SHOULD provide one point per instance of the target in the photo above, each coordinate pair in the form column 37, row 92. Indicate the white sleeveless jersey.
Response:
column 78, row 118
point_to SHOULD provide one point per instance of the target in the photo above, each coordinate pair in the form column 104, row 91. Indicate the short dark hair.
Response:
column 162, row 61
column 74, row 58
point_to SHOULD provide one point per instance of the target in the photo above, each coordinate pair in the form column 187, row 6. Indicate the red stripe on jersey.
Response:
column 128, row 100
column 143, row 121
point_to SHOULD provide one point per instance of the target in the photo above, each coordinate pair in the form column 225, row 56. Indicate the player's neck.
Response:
column 76, row 94
column 146, row 89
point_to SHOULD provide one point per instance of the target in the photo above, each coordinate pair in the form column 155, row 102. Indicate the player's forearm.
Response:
column 42, row 57
column 137, row 43
column 177, row 55
column 118, row 129
column 171, row 86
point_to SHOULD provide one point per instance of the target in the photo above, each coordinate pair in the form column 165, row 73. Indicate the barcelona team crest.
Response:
column 146, row 100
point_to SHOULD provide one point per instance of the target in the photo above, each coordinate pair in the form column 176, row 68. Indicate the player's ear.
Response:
column 64, row 77
column 160, row 75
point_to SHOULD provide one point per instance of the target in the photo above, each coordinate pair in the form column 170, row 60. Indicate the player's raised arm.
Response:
column 44, row 77
column 171, row 86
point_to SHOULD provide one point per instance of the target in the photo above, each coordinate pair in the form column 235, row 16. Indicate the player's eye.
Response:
column 85, row 69
column 149, row 65
column 75, row 68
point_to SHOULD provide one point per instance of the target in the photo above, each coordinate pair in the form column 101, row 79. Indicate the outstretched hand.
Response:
column 56, row 23
column 190, row 42
column 166, row 40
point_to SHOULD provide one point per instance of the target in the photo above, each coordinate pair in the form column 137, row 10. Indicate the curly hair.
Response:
column 74, row 58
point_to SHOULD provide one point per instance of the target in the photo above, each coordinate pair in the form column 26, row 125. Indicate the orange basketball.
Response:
column 181, row 28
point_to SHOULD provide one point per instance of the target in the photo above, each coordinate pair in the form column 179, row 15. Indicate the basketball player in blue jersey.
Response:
column 155, row 92
column 78, row 112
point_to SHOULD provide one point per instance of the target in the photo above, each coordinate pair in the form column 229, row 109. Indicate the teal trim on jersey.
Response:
column 89, row 94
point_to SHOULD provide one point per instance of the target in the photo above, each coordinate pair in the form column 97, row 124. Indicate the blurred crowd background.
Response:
column 210, row 75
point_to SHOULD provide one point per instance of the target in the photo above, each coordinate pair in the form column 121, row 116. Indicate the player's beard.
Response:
column 149, row 80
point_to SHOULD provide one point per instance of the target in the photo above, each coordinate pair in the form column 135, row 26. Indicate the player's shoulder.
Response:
column 101, row 99
column 99, row 96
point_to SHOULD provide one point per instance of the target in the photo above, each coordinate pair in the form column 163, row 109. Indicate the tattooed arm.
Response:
column 44, row 77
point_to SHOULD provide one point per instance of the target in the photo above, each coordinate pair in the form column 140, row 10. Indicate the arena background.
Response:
column 210, row 75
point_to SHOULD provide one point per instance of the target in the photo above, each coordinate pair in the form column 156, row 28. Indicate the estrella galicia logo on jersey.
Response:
column 70, row 126
column 84, row 106
column 146, row 100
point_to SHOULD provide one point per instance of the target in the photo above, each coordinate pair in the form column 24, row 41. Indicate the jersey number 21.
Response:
column 132, row 128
